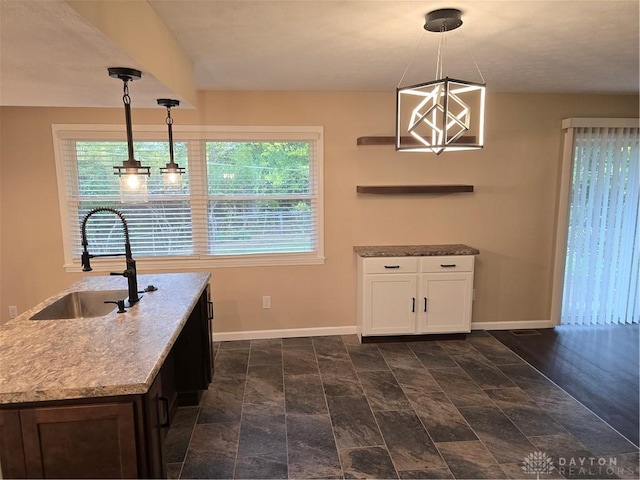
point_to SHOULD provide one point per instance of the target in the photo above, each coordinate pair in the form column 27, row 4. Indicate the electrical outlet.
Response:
column 13, row 311
column 266, row 301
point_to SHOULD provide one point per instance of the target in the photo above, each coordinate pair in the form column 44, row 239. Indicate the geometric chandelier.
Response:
column 445, row 114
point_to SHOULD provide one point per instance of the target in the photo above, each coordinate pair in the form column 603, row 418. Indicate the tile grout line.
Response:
column 326, row 402
column 244, row 394
column 384, row 441
column 414, row 410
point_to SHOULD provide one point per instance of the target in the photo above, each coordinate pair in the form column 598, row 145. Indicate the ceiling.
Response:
column 52, row 55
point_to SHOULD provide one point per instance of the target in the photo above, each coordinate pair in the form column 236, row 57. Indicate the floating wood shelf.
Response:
column 409, row 189
column 384, row 140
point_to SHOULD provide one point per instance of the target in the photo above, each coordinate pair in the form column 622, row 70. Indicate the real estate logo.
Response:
column 537, row 462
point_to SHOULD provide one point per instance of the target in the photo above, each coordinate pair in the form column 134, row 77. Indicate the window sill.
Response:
column 193, row 263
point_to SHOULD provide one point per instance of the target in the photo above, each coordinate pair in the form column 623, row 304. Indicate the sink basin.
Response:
column 82, row 304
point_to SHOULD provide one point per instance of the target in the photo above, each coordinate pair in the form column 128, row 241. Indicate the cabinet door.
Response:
column 192, row 354
column 84, row 441
column 156, row 419
column 11, row 450
column 389, row 304
column 445, row 303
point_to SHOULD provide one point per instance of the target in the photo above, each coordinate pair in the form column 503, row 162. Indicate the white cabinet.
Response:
column 414, row 295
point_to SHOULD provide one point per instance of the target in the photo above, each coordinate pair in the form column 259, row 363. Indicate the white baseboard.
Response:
column 284, row 333
column 352, row 330
column 519, row 325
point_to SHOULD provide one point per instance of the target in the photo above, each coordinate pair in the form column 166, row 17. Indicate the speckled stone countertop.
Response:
column 414, row 250
column 117, row 354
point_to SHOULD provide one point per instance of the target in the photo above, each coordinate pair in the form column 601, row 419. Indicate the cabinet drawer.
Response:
column 450, row 263
column 391, row 265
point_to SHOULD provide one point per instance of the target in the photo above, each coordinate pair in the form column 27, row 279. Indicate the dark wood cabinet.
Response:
column 155, row 415
column 82, row 441
column 111, row 437
column 194, row 353
column 11, row 448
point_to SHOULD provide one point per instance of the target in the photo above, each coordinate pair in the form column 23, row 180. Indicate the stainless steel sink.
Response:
column 82, row 304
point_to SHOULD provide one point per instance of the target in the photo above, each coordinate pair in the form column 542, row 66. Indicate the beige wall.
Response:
column 510, row 217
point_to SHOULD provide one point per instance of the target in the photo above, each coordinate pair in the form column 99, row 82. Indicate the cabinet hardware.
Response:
column 392, row 266
column 164, row 423
column 447, row 265
column 425, row 304
column 210, row 310
column 413, row 305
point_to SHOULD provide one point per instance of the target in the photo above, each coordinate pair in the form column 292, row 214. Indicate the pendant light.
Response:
column 445, row 114
column 133, row 175
column 172, row 172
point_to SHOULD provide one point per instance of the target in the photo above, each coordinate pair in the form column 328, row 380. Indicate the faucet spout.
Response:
column 130, row 273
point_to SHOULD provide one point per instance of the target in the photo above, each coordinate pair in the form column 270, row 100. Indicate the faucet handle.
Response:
column 119, row 303
column 119, row 274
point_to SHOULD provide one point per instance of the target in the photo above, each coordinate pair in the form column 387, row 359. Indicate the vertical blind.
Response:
column 603, row 251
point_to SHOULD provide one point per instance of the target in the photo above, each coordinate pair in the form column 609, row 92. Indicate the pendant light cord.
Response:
column 126, row 99
column 440, row 59
column 413, row 56
column 170, row 128
column 466, row 44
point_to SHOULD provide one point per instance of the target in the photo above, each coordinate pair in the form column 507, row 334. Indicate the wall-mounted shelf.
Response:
column 391, row 140
column 409, row 189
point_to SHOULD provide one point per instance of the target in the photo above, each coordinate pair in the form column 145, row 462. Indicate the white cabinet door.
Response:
column 444, row 303
column 389, row 304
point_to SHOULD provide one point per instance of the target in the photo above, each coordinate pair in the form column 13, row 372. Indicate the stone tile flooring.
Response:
column 329, row 407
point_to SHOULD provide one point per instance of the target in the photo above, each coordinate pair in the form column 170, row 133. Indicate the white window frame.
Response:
column 197, row 171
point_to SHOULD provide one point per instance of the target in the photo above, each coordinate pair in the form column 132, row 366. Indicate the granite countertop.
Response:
column 117, row 354
column 414, row 250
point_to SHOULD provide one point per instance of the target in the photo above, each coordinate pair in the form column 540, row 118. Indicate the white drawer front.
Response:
column 391, row 265
column 450, row 263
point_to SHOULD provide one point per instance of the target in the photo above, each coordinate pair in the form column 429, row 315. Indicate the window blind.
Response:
column 250, row 196
column 160, row 227
column 262, row 197
column 603, row 251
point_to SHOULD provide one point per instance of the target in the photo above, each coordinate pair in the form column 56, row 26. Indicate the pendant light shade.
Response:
column 133, row 175
column 445, row 114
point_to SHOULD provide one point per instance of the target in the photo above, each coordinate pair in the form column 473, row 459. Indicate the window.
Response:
column 251, row 196
column 602, row 257
column 597, row 258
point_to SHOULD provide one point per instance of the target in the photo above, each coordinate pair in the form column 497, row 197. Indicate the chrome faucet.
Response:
column 130, row 273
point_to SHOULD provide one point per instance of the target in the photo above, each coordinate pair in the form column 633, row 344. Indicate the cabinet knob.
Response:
column 447, row 265
column 425, row 304
column 392, row 266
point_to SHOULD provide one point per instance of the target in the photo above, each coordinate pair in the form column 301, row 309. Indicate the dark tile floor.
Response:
column 329, row 407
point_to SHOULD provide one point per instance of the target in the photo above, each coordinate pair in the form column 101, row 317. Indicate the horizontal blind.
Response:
column 263, row 197
column 603, row 251
column 158, row 228
column 247, row 190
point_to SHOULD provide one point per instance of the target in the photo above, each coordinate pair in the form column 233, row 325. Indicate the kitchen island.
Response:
column 93, row 397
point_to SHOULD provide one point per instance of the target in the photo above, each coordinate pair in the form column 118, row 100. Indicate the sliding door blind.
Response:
column 603, row 251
